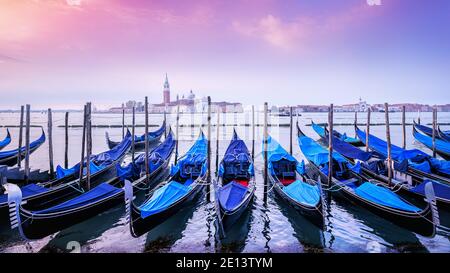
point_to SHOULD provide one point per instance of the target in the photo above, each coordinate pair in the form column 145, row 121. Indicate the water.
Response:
column 271, row 227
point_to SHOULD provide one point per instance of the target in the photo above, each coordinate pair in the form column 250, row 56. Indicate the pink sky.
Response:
column 108, row 51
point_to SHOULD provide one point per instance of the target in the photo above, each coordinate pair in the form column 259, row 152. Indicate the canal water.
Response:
column 270, row 227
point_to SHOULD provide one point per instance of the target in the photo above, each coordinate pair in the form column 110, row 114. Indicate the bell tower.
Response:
column 166, row 91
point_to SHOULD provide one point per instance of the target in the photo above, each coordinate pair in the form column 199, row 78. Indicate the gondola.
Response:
column 9, row 158
column 6, row 140
column 67, row 184
column 321, row 131
column 40, row 223
column 415, row 162
column 235, row 184
column 429, row 132
column 139, row 141
column 442, row 146
column 346, row 183
column 287, row 177
column 186, row 181
column 401, row 182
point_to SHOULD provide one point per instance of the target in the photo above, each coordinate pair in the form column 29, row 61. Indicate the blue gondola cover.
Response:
column 156, row 158
column 100, row 192
column 27, row 190
column 163, row 197
column 441, row 145
column 303, row 192
column 383, row 196
column 316, row 153
column 440, row 190
column 231, row 195
column 33, row 145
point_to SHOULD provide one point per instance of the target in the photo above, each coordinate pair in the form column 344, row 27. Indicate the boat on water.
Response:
column 442, row 146
column 372, row 167
column 235, row 184
column 370, row 194
column 321, row 131
column 415, row 162
column 9, row 158
column 439, row 134
column 139, row 141
column 67, row 185
column 288, row 178
column 187, row 179
column 36, row 224
column 6, row 140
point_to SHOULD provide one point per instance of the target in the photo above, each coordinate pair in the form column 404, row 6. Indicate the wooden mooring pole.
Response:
column 253, row 133
column 177, row 124
column 133, row 128
column 19, row 155
column 290, row 129
column 123, row 122
column 83, row 146
column 368, row 129
column 66, row 141
column 27, row 143
column 50, row 142
column 88, row 145
column 147, row 167
column 388, row 138
column 404, row 126
column 265, row 140
column 330, row 145
column 217, row 141
column 208, row 196
column 434, row 131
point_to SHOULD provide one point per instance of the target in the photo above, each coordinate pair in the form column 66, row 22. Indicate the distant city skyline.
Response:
column 60, row 54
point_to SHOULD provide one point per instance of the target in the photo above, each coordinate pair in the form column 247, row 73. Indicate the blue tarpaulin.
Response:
column 303, row 192
column 193, row 162
column 163, row 198
column 156, row 158
column 275, row 152
column 343, row 137
column 316, row 153
column 440, row 190
column 414, row 158
column 429, row 131
column 383, row 196
column 441, row 145
column 231, row 195
column 152, row 135
column 61, row 172
column 33, row 145
column 397, row 153
column 27, row 191
column 100, row 192
column 349, row 150
column 236, row 161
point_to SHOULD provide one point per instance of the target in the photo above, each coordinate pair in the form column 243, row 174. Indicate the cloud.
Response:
column 73, row 2
column 302, row 31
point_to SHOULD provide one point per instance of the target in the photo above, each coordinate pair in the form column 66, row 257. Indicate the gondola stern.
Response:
column 431, row 199
column 14, row 204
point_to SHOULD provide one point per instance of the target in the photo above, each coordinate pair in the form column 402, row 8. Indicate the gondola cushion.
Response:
column 163, row 197
column 303, row 193
column 231, row 195
column 383, row 196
